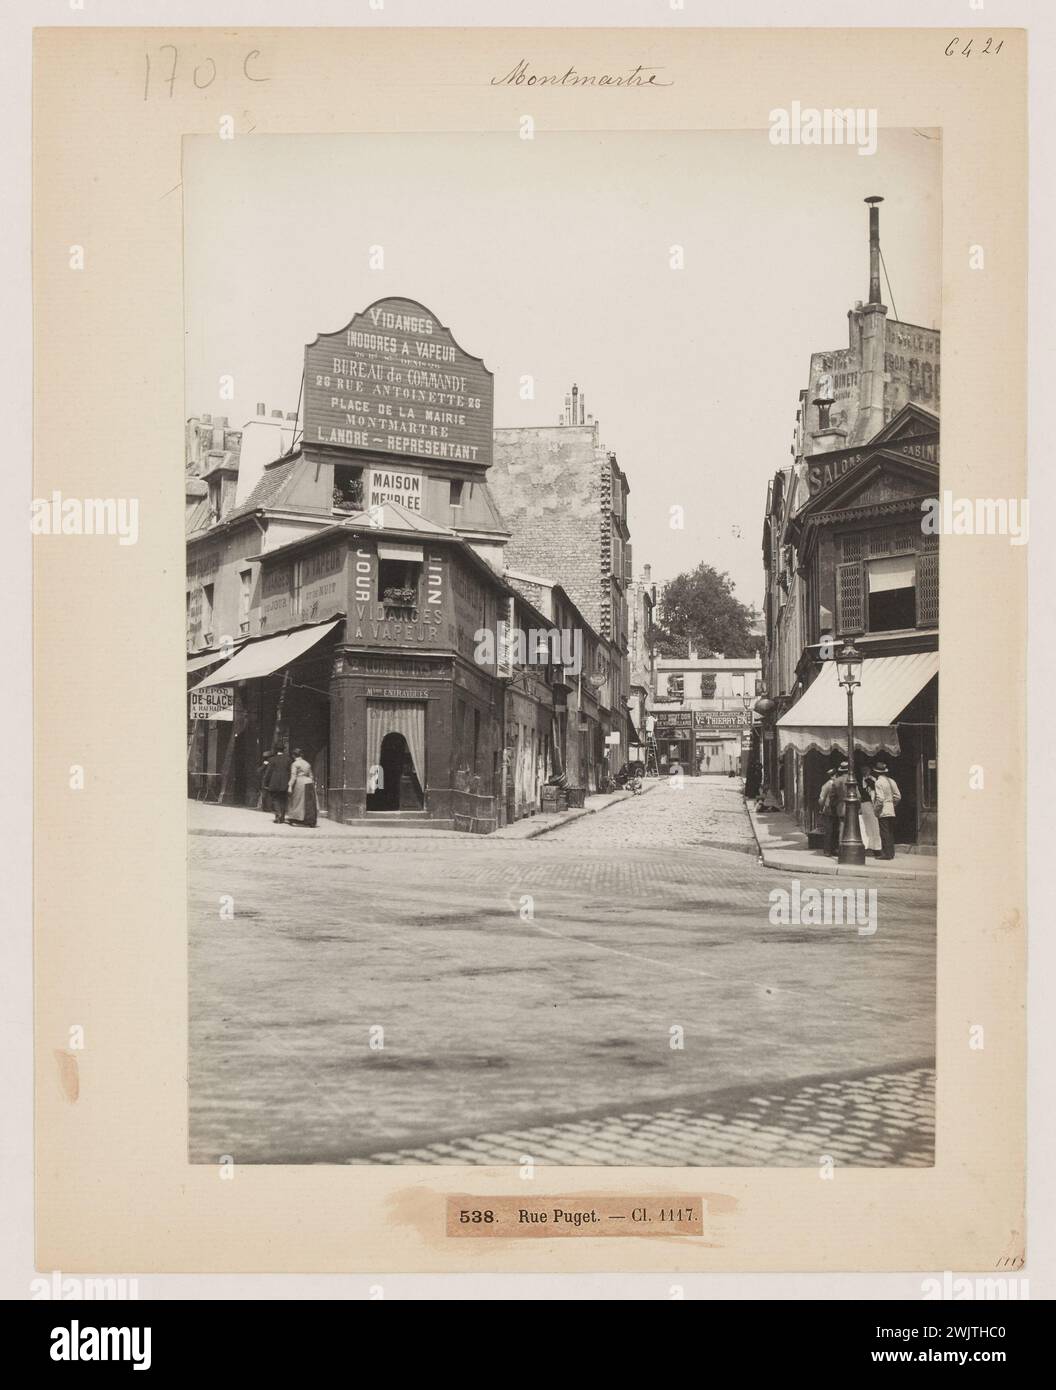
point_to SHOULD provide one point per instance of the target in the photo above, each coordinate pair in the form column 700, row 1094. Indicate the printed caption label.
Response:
column 601, row 1214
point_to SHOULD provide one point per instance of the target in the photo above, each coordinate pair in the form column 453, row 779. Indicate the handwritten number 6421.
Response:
column 968, row 49
column 203, row 74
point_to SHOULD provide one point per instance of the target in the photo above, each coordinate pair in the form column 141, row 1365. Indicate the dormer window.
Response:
column 348, row 488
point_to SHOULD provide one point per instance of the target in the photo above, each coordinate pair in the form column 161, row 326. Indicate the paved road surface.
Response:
column 538, row 985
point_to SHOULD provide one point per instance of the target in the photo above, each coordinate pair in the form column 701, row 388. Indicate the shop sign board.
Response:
column 394, row 381
column 213, row 702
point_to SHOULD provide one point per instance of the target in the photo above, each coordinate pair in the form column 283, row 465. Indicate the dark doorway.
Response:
column 398, row 788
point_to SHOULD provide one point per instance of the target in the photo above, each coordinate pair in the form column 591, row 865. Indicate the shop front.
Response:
column 675, row 743
column 895, row 722
column 273, row 692
column 414, row 737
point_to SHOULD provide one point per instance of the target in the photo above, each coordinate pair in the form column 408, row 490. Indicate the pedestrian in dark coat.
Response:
column 277, row 782
column 262, row 779
column 826, row 809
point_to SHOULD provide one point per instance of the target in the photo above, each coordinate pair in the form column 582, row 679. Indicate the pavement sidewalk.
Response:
column 783, row 845
column 542, row 822
column 206, row 818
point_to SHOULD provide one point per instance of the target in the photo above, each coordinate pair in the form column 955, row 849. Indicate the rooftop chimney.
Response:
column 874, row 249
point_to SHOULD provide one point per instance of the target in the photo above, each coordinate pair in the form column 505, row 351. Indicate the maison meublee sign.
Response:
column 394, row 381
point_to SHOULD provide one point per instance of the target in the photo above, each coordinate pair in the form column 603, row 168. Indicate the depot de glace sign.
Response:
column 395, row 382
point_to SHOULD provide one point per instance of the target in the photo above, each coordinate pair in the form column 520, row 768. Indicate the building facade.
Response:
column 701, row 715
column 847, row 559
column 348, row 594
column 563, row 497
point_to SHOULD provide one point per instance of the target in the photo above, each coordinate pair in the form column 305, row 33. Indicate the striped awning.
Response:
column 818, row 719
column 270, row 654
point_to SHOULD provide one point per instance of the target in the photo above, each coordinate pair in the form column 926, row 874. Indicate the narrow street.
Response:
column 530, row 992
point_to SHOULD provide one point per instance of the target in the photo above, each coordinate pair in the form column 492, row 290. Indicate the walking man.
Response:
column 886, row 798
column 277, row 782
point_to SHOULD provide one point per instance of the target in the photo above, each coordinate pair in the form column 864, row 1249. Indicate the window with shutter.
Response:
column 850, row 607
column 928, row 588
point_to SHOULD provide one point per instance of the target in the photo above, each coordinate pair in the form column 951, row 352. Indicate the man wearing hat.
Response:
column 886, row 797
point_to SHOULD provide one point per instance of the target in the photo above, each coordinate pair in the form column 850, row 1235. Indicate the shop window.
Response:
column 398, row 583
column 892, row 593
column 348, row 488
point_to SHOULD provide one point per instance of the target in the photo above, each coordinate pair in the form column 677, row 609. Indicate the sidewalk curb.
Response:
column 825, row 868
column 567, row 817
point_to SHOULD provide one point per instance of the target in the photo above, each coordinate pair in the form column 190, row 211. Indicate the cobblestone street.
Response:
column 611, row 992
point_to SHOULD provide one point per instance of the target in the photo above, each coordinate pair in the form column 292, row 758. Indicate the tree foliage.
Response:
column 701, row 609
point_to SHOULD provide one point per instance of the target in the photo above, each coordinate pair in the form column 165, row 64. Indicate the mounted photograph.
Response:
column 562, row 646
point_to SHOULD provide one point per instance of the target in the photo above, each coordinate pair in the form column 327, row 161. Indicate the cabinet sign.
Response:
column 396, row 382
column 214, row 702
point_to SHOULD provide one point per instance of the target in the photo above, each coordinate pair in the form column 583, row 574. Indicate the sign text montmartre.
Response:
column 394, row 381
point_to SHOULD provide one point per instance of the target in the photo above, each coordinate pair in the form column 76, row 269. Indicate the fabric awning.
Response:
column 818, row 719
column 270, row 654
column 199, row 663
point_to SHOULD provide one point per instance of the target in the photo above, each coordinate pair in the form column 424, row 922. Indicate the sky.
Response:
column 551, row 258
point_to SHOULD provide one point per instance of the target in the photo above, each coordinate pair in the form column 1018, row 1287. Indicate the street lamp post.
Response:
column 746, row 732
column 852, row 848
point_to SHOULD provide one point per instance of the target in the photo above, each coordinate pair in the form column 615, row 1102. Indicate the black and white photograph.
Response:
column 563, row 526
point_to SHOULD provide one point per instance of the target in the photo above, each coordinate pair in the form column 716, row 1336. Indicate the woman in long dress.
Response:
column 302, row 806
column 867, row 815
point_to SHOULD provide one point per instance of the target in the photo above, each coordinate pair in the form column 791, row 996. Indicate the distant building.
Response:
column 563, row 498
column 701, row 711
column 641, row 618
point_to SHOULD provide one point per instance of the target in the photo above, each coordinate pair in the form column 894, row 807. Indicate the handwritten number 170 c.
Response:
column 203, row 74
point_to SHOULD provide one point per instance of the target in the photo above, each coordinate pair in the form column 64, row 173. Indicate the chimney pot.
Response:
column 276, row 414
column 262, row 409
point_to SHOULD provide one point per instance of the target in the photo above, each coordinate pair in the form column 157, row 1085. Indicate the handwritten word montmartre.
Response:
column 521, row 75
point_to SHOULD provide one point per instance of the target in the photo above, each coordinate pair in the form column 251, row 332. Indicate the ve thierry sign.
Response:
column 394, row 381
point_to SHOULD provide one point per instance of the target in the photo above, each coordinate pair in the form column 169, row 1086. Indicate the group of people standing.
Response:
column 879, row 795
column 287, row 788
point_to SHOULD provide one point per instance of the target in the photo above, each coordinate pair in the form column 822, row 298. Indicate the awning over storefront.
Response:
column 818, row 719
column 270, row 654
column 199, row 663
